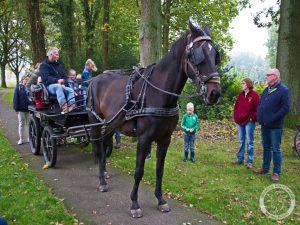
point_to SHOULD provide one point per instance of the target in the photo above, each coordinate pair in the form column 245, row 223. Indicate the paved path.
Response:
column 75, row 180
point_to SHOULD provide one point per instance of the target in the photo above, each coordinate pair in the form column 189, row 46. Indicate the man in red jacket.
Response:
column 245, row 109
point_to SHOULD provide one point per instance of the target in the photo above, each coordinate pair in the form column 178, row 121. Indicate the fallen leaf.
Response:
column 247, row 215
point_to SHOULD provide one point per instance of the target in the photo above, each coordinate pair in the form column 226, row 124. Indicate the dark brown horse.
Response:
column 146, row 106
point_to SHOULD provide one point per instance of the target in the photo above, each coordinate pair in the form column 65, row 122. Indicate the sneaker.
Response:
column 184, row 160
column 249, row 166
column 275, row 177
column 193, row 160
column 148, row 157
column 260, row 171
column 21, row 141
column 118, row 145
column 237, row 163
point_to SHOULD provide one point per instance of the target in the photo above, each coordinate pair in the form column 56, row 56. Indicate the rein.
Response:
column 164, row 91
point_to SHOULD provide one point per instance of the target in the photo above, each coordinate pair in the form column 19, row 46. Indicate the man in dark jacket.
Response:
column 21, row 103
column 273, row 107
column 53, row 76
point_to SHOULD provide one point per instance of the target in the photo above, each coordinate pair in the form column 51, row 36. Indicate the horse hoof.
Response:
column 164, row 208
column 103, row 188
column 106, row 175
column 136, row 213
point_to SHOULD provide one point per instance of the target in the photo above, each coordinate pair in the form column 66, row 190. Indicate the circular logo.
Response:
column 277, row 201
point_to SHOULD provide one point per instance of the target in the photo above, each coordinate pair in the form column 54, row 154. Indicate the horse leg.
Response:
column 98, row 145
column 162, row 147
column 143, row 147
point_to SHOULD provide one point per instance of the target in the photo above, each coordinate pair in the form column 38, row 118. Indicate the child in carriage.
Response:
column 71, row 81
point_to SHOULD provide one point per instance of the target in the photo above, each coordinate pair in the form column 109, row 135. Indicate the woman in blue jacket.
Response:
column 86, row 76
column 21, row 103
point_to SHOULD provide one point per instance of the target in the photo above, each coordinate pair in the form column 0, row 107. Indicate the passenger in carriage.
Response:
column 33, row 76
column 72, row 81
column 53, row 76
column 86, row 76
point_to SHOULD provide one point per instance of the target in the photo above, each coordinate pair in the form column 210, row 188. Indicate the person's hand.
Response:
column 60, row 81
column 63, row 86
column 191, row 130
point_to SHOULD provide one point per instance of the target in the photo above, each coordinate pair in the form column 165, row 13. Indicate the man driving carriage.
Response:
column 53, row 76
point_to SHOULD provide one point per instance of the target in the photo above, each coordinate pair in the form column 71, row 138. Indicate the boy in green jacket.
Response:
column 190, row 125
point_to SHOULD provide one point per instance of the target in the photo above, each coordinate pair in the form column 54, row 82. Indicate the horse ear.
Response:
column 207, row 30
column 194, row 26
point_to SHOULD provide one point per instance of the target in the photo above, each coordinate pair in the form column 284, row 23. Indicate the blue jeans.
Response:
column 189, row 141
column 61, row 93
column 246, row 132
column 3, row 221
column 117, row 135
column 271, row 140
column 84, row 96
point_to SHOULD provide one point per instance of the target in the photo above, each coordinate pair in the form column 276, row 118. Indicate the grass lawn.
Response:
column 213, row 185
column 8, row 97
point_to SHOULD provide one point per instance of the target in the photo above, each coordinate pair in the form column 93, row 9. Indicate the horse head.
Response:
column 201, row 59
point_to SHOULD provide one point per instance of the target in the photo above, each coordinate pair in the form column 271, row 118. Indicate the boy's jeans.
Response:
column 189, row 140
column 61, row 92
column 246, row 132
column 271, row 140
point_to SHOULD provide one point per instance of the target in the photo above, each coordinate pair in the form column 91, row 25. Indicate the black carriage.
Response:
column 50, row 128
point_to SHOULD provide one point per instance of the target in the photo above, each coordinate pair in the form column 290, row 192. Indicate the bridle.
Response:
column 197, row 77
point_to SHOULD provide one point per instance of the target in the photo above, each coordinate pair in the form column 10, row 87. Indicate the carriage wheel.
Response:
column 49, row 146
column 297, row 142
column 34, row 135
column 109, row 147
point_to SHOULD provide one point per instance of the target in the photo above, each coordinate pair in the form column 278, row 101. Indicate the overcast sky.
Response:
column 247, row 36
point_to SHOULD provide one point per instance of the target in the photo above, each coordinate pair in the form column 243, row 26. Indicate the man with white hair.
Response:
column 274, row 105
column 53, row 76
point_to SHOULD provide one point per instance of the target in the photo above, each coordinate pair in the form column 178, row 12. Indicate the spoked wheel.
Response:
column 49, row 146
column 297, row 142
column 34, row 135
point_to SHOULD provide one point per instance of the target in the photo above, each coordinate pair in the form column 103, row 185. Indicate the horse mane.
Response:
column 173, row 52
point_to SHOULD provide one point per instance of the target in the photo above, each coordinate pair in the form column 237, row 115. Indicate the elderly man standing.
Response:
column 53, row 76
column 273, row 107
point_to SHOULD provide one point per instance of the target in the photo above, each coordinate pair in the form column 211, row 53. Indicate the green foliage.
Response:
column 24, row 198
column 272, row 46
column 217, row 14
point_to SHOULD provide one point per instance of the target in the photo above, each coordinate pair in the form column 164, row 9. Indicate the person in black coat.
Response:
column 21, row 103
column 54, row 77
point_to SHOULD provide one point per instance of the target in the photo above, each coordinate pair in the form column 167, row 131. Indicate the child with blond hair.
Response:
column 190, row 125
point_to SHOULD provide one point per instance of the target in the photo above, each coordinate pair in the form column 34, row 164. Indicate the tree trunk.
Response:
column 288, row 55
column 166, row 26
column 91, row 12
column 67, row 28
column 3, row 81
column 105, row 30
column 150, row 32
column 37, row 31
